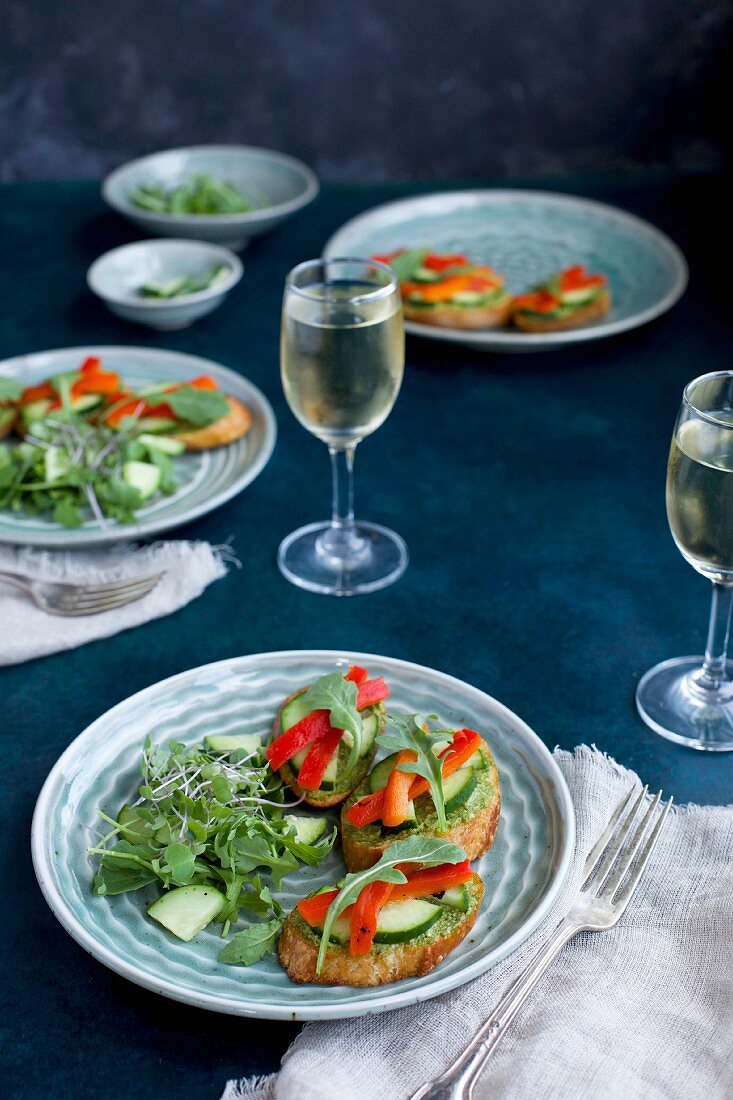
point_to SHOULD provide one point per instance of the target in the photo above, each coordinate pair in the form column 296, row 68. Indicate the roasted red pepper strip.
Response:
column 303, row 733
column 203, row 382
column 371, row 692
column 136, row 406
column 397, row 792
column 432, row 880
column 357, row 674
column 440, row 263
column 370, row 809
column 365, row 914
column 314, row 909
column 577, row 278
column 96, row 382
column 317, row 760
column 37, row 393
column 91, row 365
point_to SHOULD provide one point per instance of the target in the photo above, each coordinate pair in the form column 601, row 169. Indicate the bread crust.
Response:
column 592, row 312
column 320, row 799
column 226, row 429
column 475, row 836
column 446, row 316
column 298, row 955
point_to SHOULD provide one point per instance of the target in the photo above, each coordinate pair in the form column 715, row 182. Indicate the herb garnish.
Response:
column 338, row 696
column 410, row 731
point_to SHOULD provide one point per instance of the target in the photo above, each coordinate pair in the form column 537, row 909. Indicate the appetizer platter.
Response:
column 518, row 271
column 303, row 835
column 102, row 444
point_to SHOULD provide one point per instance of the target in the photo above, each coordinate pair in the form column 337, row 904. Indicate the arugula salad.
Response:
column 90, row 445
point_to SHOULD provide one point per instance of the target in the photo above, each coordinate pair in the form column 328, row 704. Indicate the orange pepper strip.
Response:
column 539, row 301
column 397, row 792
column 91, row 365
column 37, row 393
column 432, row 880
column 314, row 909
column 100, row 382
column 370, row 808
column 203, row 382
column 365, row 914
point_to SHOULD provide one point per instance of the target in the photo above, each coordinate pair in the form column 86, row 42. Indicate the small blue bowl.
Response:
column 285, row 184
column 116, row 278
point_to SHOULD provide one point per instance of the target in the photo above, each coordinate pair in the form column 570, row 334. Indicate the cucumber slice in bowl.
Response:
column 187, row 910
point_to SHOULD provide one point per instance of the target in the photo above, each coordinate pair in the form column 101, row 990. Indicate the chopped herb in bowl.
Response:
column 201, row 194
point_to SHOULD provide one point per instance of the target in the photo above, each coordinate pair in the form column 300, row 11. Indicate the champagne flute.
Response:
column 690, row 699
column 342, row 354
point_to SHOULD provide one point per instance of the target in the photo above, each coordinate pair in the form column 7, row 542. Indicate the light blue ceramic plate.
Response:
column 523, row 871
column 206, row 480
column 527, row 235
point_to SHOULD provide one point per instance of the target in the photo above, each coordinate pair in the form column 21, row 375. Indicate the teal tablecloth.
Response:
column 530, row 492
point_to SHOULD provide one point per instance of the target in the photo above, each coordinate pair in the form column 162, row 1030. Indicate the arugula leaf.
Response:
column 245, row 948
column 410, row 731
column 427, row 851
column 338, row 696
column 10, row 389
column 198, row 407
column 406, row 264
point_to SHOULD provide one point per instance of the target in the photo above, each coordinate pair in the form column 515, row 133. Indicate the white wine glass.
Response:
column 342, row 355
column 690, row 699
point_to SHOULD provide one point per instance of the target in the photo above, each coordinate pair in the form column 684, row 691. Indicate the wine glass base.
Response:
column 380, row 560
column 672, row 706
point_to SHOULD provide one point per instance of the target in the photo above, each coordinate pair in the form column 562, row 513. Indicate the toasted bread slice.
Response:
column 299, row 944
column 324, row 799
column 226, row 429
column 467, row 317
column 596, row 309
column 471, row 826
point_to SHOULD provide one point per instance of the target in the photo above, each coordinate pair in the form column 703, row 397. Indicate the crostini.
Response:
column 381, row 931
column 324, row 736
column 569, row 299
column 392, row 804
column 448, row 290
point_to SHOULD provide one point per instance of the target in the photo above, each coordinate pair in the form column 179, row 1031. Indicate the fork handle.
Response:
column 17, row 580
column 459, row 1079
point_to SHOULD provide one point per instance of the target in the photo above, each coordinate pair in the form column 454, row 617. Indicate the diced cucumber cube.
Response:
column 56, row 463
column 143, row 476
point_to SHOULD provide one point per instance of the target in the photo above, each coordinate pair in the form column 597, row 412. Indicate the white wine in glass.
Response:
column 342, row 359
column 690, row 699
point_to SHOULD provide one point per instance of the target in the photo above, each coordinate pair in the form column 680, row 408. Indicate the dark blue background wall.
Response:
column 367, row 90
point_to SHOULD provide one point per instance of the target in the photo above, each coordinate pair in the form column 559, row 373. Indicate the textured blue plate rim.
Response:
column 147, row 528
column 562, row 811
column 512, row 341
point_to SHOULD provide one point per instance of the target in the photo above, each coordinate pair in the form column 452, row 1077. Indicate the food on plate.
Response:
column 399, row 919
column 187, row 284
column 201, row 194
column 324, row 736
column 93, row 446
column 568, row 299
column 209, row 826
column 433, row 784
column 448, row 290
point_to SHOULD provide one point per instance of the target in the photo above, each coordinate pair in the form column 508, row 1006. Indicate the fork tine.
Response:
column 80, row 599
column 600, row 845
column 626, row 858
column 606, row 862
column 114, row 586
column 94, row 607
column 625, row 896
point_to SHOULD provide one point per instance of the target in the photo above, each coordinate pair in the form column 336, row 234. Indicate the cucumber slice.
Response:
column 307, row 829
column 187, row 910
column 458, row 898
column 163, row 443
column 156, row 424
column 86, row 402
column 458, row 788
column 579, row 297
column 35, row 410
column 380, row 773
column 154, row 387
column 231, row 742
column 467, row 297
column 143, row 476
column 426, row 275
column 293, row 712
column 477, row 761
column 329, row 776
column 404, row 920
column 56, row 463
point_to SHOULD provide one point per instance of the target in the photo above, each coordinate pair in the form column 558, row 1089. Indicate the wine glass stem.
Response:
column 713, row 672
column 341, row 542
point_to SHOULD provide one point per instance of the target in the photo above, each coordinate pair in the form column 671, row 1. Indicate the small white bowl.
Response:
column 285, row 182
column 117, row 276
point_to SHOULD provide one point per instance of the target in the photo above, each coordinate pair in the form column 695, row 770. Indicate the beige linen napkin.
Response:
column 27, row 632
column 641, row 1012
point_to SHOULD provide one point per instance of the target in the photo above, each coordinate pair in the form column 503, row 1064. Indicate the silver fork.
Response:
column 611, row 874
column 82, row 599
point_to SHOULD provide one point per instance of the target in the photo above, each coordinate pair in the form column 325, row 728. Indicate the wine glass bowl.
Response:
column 690, row 699
column 342, row 360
